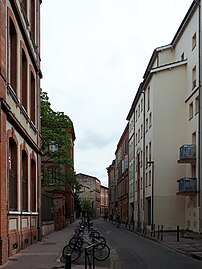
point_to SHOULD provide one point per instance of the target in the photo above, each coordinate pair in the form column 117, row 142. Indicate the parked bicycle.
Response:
column 100, row 251
column 78, row 242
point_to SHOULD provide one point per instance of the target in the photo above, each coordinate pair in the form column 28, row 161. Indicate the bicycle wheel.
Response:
column 75, row 241
column 74, row 252
column 99, row 239
column 101, row 252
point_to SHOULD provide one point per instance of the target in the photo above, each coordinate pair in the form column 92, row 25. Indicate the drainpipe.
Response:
column 198, row 2
column 37, row 119
column 143, row 179
column 200, row 119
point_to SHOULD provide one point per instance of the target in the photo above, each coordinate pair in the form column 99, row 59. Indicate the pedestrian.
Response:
column 118, row 220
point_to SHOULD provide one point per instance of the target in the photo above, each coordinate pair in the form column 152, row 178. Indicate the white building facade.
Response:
column 164, row 133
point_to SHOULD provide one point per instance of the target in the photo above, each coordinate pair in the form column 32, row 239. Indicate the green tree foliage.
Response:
column 56, row 145
column 86, row 207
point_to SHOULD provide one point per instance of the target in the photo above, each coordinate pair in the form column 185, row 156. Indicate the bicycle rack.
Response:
column 89, row 257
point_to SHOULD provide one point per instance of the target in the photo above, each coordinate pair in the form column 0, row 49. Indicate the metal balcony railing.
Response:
column 187, row 154
column 187, row 185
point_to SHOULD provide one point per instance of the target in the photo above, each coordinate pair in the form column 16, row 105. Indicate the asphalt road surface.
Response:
column 131, row 251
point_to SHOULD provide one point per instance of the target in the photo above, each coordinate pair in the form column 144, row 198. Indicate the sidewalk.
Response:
column 46, row 253
column 188, row 246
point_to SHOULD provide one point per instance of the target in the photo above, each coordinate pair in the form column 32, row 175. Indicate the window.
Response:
column 138, row 135
column 12, row 55
column 141, row 104
column 138, row 110
column 194, row 138
column 24, row 79
column 146, row 125
column 12, row 164
column 150, row 152
column 150, row 120
column 33, row 185
column 32, row 98
column 146, row 156
column 191, row 111
column 148, row 98
column 149, row 178
column 24, row 181
column 141, row 156
column 53, row 176
column 193, row 41
column 32, row 19
column 194, row 77
column 24, row 3
column 141, row 130
column 196, row 105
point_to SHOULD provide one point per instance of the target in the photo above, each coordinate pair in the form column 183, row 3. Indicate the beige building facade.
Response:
column 164, row 127
column 90, row 189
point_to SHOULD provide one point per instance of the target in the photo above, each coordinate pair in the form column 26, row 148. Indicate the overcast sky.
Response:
column 94, row 54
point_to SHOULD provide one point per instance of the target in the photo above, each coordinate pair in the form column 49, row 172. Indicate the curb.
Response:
column 195, row 255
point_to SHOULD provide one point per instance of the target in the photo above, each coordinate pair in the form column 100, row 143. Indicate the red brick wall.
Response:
column 3, row 203
column 11, row 241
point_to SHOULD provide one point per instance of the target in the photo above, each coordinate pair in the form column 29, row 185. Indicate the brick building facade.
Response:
column 122, row 175
column 20, row 129
column 58, row 200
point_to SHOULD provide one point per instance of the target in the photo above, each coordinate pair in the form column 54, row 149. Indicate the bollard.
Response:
column 161, row 232
column 68, row 261
column 158, row 231
column 178, row 233
column 154, row 230
column 151, row 232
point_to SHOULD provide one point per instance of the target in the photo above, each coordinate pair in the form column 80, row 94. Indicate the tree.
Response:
column 86, row 207
column 56, row 146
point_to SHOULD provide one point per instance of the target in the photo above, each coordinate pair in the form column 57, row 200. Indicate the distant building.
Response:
column 104, row 201
column 112, row 190
column 122, row 176
column 90, row 189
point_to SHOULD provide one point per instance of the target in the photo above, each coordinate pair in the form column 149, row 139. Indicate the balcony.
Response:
column 187, row 185
column 187, row 154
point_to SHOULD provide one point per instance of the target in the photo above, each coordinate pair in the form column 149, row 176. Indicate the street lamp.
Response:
column 152, row 193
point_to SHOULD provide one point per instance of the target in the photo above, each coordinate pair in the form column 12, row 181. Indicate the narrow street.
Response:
column 132, row 251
